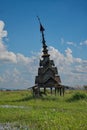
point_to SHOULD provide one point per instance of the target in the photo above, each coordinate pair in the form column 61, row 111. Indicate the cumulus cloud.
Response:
column 3, row 33
column 73, row 71
column 5, row 55
column 18, row 71
column 69, row 57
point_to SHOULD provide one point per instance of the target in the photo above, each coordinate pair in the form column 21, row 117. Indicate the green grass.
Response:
column 45, row 113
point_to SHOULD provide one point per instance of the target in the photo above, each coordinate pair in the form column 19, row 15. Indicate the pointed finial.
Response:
column 41, row 27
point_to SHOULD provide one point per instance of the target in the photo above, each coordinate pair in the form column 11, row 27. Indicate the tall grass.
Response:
column 46, row 113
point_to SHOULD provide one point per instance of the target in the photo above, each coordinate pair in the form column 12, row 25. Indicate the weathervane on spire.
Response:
column 41, row 27
column 42, row 31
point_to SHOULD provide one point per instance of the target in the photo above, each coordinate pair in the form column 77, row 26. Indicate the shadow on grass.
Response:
column 43, row 98
column 77, row 96
column 24, row 99
column 49, row 98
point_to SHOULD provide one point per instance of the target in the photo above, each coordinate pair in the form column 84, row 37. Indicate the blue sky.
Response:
column 65, row 23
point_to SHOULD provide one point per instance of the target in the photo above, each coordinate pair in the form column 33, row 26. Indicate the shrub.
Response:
column 78, row 96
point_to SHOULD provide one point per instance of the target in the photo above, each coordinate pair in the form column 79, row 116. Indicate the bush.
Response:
column 78, row 96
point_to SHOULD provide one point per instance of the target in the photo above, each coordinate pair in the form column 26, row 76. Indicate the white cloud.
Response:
column 22, row 59
column 70, row 43
column 3, row 33
column 83, row 43
column 16, row 69
column 2, row 47
column 78, row 60
column 62, row 40
column 5, row 55
column 19, row 71
column 22, row 74
column 69, row 57
column 73, row 71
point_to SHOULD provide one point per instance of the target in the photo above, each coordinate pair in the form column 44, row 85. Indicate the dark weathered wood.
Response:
column 51, row 90
column 55, row 91
column 60, row 92
column 44, row 90
column 47, row 72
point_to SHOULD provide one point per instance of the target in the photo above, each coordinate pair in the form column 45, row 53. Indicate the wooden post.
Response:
column 55, row 91
column 51, row 90
column 44, row 90
column 38, row 91
column 60, row 91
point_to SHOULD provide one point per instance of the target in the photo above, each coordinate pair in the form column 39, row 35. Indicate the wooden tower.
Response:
column 47, row 72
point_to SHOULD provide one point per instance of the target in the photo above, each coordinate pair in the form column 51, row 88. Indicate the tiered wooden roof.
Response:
column 47, row 72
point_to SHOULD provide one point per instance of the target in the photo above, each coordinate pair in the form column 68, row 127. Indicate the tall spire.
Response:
column 47, row 72
column 45, row 50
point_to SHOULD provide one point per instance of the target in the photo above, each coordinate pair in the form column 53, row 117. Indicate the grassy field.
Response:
column 20, row 111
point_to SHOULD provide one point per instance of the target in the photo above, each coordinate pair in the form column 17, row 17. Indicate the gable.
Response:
column 50, row 82
column 50, row 79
